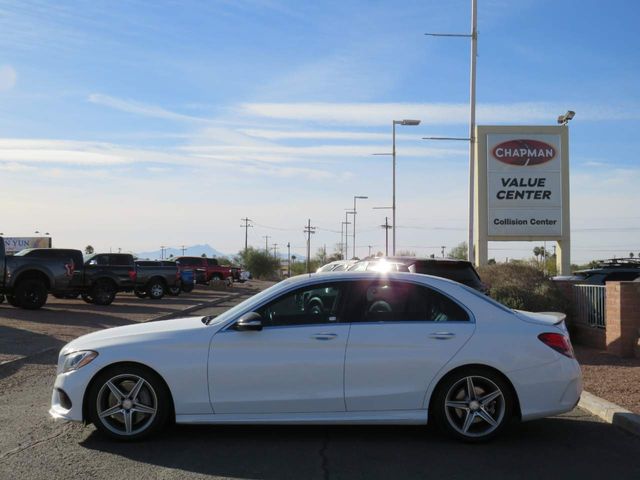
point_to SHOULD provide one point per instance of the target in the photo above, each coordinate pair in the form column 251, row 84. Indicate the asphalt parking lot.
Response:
column 575, row 445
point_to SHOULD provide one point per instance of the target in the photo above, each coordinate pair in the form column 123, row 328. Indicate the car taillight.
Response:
column 133, row 275
column 559, row 342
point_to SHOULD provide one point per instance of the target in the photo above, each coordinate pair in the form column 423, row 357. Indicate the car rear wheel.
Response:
column 103, row 292
column 155, row 290
column 31, row 294
column 473, row 405
column 186, row 288
column 128, row 402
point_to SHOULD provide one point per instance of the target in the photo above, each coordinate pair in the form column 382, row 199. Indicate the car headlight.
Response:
column 75, row 360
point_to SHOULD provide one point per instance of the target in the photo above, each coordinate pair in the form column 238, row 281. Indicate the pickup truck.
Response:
column 156, row 278
column 27, row 277
column 206, row 269
column 106, row 274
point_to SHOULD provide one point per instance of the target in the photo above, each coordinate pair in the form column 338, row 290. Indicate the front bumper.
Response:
column 72, row 385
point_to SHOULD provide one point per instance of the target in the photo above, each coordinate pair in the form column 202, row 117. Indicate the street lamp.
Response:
column 564, row 119
column 346, row 231
column 355, row 197
column 408, row 123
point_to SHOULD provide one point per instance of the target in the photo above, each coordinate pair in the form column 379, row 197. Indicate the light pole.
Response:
column 410, row 123
column 355, row 197
column 346, row 229
column 346, row 226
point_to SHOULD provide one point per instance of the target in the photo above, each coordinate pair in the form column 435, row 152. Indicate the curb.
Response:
column 610, row 413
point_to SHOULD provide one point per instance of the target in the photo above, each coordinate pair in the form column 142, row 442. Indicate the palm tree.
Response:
column 88, row 250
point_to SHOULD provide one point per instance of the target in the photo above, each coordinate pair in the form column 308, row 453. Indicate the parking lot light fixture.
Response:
column 406, row 122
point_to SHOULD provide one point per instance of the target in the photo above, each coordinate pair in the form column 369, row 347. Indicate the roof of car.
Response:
column 366, row 275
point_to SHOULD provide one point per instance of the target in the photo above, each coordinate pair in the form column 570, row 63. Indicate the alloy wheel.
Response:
column 126, row 404
column 474, row 406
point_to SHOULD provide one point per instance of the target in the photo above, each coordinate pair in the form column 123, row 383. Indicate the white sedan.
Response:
column 345, row 348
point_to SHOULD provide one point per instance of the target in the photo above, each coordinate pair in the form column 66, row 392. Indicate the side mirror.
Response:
column 251, row 321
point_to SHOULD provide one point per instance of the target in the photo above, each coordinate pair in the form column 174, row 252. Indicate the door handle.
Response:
column 324, row 336
column 442, row 335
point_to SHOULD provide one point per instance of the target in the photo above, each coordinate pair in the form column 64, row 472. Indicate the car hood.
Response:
column 139, row 332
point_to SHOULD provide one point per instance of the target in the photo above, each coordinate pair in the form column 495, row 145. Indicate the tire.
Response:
column 103, row 292
column 111, row 391
column 216, row 277
column 174, row 291
column 474, row 418
column 140, row 293
column 31, row 293
column 1, row 298
column 155, row 289
column 87, row 297
column 187, row 288
column 13, row 301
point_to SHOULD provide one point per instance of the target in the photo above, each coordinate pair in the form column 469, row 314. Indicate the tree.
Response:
column 459, row 252
column 261, row 264
column 88, row 250
column 204, row 255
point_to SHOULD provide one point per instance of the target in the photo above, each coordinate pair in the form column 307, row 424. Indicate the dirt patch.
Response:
column 609, row 377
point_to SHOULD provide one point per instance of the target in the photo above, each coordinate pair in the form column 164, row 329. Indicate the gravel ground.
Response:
column 609, row 377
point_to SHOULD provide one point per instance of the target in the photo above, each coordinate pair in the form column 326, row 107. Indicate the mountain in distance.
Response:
column 192, row 251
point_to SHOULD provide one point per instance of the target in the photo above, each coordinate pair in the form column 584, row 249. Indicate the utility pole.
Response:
column 443, row 247
column 472, row 116
column 162, row 247
column 246, row 231
column 266, row 243
column 309, row 230
column 183, row 250
column 370, row 246
column 275, row 250
column 289, row 259
column 386, row 227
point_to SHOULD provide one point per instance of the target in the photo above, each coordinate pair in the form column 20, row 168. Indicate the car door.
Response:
column 402, row 334
column 295, row 364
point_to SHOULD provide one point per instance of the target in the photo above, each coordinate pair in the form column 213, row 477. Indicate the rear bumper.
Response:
column 549, row 389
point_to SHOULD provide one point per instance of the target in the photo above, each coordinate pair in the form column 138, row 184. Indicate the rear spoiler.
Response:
column 559, row 316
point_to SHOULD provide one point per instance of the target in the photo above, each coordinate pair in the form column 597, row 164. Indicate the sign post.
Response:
column 522, row 188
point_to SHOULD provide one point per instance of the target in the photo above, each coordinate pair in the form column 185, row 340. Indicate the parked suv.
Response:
column 460, row 271
column 612, row 270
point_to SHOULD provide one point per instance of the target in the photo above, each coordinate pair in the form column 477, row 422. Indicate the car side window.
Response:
column 393, row 301
column 307, row 306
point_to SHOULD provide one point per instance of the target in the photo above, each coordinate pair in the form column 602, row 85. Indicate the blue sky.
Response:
column 134, row 124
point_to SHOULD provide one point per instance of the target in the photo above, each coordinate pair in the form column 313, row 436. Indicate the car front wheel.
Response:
column 473, row 405
column 128, row 402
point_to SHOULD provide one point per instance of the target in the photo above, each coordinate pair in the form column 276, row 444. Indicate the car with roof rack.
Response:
column 609, row 270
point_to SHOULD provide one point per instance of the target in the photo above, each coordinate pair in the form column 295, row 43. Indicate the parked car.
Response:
column 27, row 277
column 458, row 270
column 395, row 348
column 336, row 266
column 612, row 270
column 155, row 278
column 206, row 269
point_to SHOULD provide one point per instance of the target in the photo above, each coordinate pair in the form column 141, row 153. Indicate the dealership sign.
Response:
column 524, row 185
column 15, row 244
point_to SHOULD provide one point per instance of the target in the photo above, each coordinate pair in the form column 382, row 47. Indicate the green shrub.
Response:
column 523, row 287
column 261, row 264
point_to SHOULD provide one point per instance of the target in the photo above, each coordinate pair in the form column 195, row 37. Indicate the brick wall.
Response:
column 622, row 317
column 581, row 333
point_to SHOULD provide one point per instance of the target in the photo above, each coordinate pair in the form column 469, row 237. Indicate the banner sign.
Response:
column 15, row 244
column 524, row 185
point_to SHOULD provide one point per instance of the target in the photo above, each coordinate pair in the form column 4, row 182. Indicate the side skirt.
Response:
column 398, row 417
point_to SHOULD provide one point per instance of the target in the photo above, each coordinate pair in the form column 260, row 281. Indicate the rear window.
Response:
column 459, row 272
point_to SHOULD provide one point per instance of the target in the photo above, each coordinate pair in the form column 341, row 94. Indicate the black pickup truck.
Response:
column 27, row 277
column 156, row 278
column 106, row 274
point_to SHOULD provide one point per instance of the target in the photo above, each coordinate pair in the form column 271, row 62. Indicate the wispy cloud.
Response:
column 377, row 114
column 132, row 106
